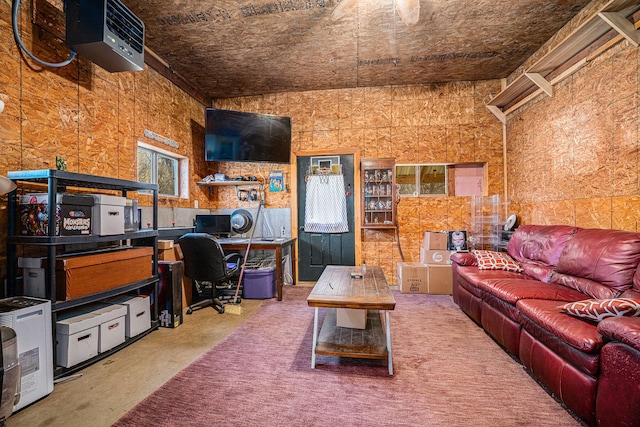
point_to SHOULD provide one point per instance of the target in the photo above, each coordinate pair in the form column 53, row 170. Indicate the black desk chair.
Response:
column 214, row 274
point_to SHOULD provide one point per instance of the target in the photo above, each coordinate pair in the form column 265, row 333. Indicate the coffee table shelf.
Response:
column 336, row 289
column 369, row 343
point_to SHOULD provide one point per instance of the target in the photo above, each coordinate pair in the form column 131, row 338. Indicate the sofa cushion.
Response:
column 623, row 329
column 543, row 243
column 463, row 258
column 537, row 270
column 491, row 260
column 598, row 309
column 609, row 257
column 512, row 290
column 575, row 332
column 587, row 286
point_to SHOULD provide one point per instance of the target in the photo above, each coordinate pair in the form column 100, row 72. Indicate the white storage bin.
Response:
column 112, row 325
column 33, row 277
column 138, row 313
column 108, row 214
column 77, row 339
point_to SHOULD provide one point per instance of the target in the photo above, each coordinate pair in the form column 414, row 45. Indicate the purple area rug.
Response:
column 447, row 372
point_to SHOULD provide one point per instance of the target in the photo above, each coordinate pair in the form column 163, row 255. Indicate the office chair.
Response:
column 214, row 274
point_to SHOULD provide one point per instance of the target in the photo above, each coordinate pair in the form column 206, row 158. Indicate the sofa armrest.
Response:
column 623, row 329
column 464, row 258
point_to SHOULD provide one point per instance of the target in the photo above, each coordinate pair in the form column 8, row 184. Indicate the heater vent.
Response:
column 124, row 24
column 107, row 33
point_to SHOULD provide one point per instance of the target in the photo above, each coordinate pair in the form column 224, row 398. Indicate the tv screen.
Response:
column 234, row 136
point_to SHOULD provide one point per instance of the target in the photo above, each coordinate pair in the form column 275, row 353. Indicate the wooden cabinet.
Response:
column 379, row 193
column 54, row 182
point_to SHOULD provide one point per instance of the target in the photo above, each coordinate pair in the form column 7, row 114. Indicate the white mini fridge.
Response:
column 30, row 318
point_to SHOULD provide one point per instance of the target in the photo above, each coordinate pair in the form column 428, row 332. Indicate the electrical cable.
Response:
column 16, row 36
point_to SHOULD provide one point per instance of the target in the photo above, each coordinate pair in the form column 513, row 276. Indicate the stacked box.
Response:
column 33, row 277
column 435, row 255
column 108, row 214
column 112, row 325
column 77, row 337
column 88, row 274
column 412, row 277
column 138, row 319
column 73, row 214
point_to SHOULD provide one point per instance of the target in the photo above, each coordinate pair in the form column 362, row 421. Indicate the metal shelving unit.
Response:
column 58, row 182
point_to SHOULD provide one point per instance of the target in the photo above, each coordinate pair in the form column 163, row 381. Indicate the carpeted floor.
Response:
column 447, row 372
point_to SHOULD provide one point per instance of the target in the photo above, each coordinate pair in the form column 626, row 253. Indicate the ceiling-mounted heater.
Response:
column 107, row 33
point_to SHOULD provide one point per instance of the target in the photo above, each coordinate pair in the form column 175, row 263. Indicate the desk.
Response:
column 336, row 289
column 235, row 244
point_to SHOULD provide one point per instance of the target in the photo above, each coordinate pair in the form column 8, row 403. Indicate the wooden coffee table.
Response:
column 337, row 289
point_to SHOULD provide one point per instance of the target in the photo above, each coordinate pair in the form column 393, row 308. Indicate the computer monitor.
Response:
column 219, row 225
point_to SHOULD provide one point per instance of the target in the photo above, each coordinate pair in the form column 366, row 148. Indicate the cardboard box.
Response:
column 412, row 277
column 351, row 318
column 88, row 274
column 439, row 279
column 72, row 211
column 112, row 325
column 165, row 244
column 434, row 240
column 33, row 277
column 108, row 215
column 77, row 338
column 435, row 257
column 138, row 317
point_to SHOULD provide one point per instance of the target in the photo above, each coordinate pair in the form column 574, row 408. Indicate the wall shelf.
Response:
column 540, row 78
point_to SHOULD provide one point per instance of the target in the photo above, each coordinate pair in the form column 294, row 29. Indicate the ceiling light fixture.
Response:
column 408, row 10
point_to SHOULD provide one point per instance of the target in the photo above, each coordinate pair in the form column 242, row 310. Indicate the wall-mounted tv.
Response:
column 235, row 136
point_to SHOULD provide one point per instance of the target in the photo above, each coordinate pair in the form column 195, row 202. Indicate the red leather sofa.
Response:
column 591, row 366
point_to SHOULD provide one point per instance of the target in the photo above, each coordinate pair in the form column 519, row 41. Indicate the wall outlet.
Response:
column 195, row 204
column 281, row 231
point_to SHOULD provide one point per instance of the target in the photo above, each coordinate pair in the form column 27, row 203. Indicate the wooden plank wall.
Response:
column 94, row 119
column 439, row 123
column 90, row 117
column 573, row 158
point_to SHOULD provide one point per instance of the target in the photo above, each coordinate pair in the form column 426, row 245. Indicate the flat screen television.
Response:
column 235, row 136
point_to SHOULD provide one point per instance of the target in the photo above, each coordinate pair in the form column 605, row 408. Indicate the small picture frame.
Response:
column 276, row 181
column 457, row 240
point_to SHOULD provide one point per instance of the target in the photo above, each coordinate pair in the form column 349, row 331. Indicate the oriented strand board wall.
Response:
column 440, row 123
column 573, row 158
column 88, row 116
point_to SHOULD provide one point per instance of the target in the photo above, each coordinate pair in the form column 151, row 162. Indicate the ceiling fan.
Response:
column 408, row 10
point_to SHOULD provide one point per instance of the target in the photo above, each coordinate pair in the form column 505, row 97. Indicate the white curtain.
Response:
column 326, row 205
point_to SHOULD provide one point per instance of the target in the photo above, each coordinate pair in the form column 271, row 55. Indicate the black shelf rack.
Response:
column 58, row 182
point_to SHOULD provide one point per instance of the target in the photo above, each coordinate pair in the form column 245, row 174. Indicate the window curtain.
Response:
column 326, row 205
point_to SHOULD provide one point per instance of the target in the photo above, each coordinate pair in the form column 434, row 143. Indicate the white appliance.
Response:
column 30, row 318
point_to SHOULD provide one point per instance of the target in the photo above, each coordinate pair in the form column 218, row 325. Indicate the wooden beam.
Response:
column 541, row 82
column 498, row 113
column 622, row 25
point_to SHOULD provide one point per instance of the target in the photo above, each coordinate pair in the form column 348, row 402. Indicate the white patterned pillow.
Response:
column 491, row 260
column 598, row 309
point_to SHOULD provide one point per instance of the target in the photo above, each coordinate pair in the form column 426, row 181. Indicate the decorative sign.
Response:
column 162, row 139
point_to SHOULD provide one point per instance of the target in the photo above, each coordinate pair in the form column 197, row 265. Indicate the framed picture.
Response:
column 276, row 181
column 457, row 240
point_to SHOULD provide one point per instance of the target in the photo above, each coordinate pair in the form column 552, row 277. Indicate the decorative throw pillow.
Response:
column 491, row 260
column 598, row 309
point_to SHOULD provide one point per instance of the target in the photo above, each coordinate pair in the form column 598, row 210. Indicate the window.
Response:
column 440, row 179
column 419, row 180
column 161, row 167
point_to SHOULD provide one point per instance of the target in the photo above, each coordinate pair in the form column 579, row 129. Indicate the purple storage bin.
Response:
column 259, row 283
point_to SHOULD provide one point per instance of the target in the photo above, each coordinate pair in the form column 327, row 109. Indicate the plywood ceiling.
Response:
column 238, row 48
